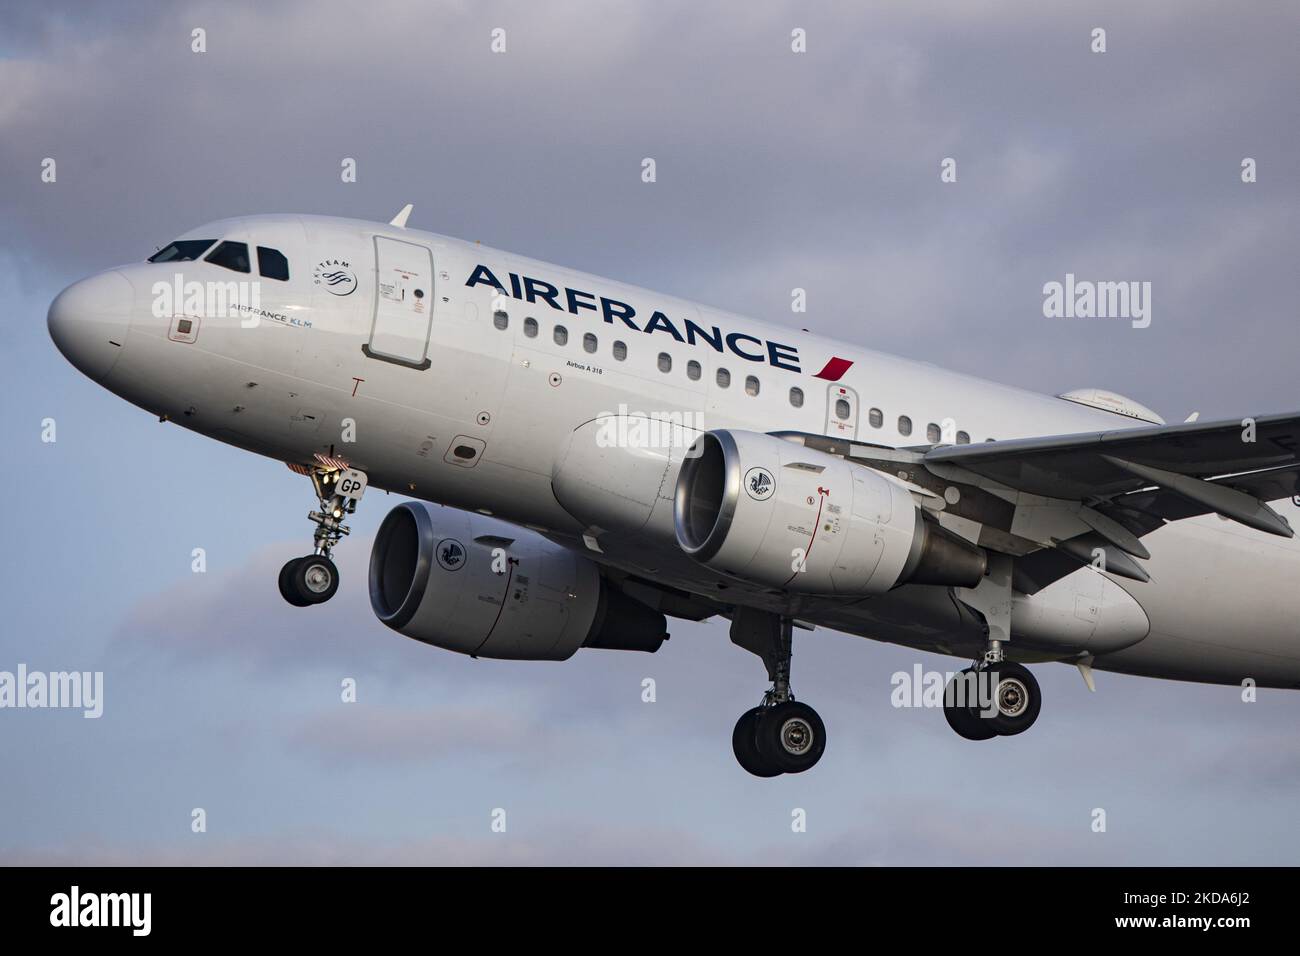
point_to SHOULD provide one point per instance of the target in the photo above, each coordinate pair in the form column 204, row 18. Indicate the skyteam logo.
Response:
column 336, row 276
column 451, row 554
column 759, row 483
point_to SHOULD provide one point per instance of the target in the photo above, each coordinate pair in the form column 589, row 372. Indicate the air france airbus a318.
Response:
column 585, row 459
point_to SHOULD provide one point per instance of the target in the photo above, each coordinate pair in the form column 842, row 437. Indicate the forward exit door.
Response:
column 403, row 316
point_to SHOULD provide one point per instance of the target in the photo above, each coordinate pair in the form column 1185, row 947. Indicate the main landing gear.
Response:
column 313, row 579
column 994, row 698
column 781, row 735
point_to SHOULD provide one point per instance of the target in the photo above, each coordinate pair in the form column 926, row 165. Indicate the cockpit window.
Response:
column 231, row 255
column 272, row 264
column 182, row 250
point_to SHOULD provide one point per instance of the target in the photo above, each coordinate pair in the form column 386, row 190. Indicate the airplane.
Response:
column 583, row 459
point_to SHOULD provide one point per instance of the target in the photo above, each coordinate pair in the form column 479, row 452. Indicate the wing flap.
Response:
column 1270, row 484
column 1077, row 466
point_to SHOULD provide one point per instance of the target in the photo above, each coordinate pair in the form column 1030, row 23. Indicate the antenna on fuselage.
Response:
column 400, row 219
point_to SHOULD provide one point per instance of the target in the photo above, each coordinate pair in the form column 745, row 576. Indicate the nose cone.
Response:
column 88, row 321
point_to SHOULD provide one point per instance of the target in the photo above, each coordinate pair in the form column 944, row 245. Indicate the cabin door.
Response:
column 403, row 316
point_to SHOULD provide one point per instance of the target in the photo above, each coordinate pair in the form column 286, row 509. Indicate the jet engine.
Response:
column 480, row 586
column 777, row 514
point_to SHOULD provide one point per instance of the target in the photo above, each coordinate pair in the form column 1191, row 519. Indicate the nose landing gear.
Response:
column 313, row 579
column 781, row 735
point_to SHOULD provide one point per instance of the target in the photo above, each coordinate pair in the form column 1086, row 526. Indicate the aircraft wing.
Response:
column 1124, row 484
column 1052, row 503
column 1099, row 464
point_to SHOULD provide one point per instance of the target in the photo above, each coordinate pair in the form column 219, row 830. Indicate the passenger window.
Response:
column 963, row 438
column 751, row 385
column 796, row 397
column 501, row 320
column 932, row 433
column 530, row 328
column 904, row 425
column 842, row 409
column 231, row 255
column 182, row 250
column 665, row 362
column 876, row 417
column 620, row 351
column 272, row 264
column 693, row 370
column 723, row 378
column 561, row 335
column 589, row 342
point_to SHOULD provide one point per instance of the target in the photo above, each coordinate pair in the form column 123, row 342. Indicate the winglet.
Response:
column 400, row 219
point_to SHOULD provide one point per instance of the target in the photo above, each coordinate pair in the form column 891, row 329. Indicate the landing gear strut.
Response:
column 314, row 579
column 781, row 735
column 993, row 697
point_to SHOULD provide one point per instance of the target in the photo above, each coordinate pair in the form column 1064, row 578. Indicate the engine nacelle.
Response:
column 480, row 586
column 775, row 513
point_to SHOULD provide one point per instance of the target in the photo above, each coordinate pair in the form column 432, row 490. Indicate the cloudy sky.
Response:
column 775, row 170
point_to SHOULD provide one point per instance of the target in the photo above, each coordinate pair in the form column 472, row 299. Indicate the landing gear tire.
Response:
column 314, row 579
column 744, row 743
column 1016, row 697
column 287, row 590
column 1016, row 702
column 963, row 718
column 791, row 737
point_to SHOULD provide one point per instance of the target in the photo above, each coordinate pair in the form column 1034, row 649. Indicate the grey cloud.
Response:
column 466, row 733
column 893, row 790
column 943, row 838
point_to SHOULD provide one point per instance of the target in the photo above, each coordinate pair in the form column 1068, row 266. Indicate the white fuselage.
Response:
column 439, row 371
